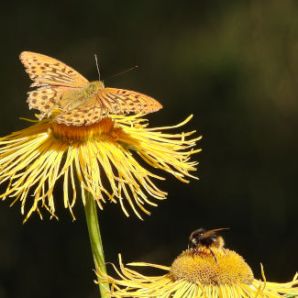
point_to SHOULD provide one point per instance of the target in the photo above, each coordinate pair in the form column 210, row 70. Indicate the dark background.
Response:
column 233, row 64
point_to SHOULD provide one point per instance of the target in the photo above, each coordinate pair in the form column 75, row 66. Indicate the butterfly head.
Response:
column 93, row 88
column 96, row 85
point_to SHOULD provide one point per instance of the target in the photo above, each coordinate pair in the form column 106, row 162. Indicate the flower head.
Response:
column 105, row 159
column 196, row 273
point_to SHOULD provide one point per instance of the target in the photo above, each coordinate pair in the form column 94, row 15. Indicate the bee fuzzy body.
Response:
column 202, row 241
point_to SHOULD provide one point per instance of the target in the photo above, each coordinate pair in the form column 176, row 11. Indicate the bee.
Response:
column 207, row 238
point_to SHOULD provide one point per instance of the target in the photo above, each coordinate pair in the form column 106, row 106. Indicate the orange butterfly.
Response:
column 79, row 101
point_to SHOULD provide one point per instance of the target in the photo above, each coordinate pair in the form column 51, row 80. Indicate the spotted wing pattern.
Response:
column 84, row 115
column 61, row 87
column 44, row 99
column 53, row 78
column 44, row 70
column 121, row 101
column 109, row 101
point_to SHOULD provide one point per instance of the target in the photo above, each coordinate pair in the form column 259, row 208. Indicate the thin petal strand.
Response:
column 107, row 160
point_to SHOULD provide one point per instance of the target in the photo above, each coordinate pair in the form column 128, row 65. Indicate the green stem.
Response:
column 96, row 243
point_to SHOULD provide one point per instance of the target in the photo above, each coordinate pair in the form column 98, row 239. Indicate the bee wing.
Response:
column 210, row 233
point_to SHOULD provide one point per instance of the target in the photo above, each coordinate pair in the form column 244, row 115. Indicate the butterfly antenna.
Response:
column 123, row 72
column 97, row 65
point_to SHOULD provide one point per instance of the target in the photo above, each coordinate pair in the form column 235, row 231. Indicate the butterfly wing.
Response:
column 44, row 99
column 44, row 70
column 54, row 79
column 61, row 87
column 86, row 114
column 121, row 101
column 109, row 101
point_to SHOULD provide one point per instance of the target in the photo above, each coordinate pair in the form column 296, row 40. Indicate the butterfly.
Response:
column 67, row 97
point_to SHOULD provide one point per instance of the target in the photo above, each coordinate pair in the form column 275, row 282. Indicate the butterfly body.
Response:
column 68, row 98
column 72, row 98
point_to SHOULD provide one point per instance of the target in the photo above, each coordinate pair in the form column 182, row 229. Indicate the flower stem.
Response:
column 95, row 241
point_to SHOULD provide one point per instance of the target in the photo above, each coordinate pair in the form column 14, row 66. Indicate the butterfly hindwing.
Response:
column 86, row 114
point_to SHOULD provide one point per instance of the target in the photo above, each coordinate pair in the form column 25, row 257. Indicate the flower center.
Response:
column 104, row 130
column 218, row 266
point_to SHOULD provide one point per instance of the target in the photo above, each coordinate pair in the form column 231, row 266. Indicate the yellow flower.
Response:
column 198, row 273
column 104, row 159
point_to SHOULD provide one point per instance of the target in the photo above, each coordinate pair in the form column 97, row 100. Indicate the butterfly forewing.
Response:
column 54, row 79
column 121, row 101
column 44, row 70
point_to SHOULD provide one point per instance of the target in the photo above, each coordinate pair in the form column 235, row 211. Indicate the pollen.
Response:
column 218, row 266
column 104, row 130
column 199, row 272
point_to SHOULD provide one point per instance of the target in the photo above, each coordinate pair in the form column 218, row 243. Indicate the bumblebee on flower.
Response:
column 201, row 271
